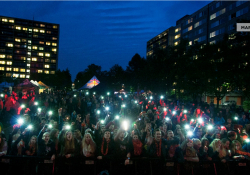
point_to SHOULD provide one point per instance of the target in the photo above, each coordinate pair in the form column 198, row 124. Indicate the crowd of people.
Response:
column 69, row 127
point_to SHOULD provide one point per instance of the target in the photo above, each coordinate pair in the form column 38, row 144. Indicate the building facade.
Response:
column 206, row 25
column 27, row 47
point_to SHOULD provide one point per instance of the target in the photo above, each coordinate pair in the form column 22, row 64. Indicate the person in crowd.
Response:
column 88, row 145
column 54, row 137
column 216, row 151
column 3, row 146
column 243, row 120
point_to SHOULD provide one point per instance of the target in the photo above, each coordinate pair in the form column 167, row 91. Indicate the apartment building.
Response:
column 27, row 47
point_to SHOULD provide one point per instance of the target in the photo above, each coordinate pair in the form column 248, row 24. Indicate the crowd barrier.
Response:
column 137, row 166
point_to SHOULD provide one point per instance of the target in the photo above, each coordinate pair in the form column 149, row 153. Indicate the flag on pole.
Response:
column 91, row 83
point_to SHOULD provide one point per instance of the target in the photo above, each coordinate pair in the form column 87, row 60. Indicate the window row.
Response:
column 215, row 15
column 217, row 32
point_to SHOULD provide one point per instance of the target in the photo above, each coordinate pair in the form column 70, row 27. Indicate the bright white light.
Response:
column 102, row 97
column 174, row 112
column 135, row 101
column 189, row 133
column 102, row 121
column 94, row 93
column 151, row 97
column 185, row 111
column 209, row 127
column 165, row 109
column 192, row 120
column 98, row 112
column 30, row 127
column 50, row 112
column 125, row 125
column 108, row 93
column 120, row 96
column 187, row 126
column 2, row 95
column 87, row 93
column 22, row 106
column 117, row 117
column 67, row 127
column 167, row 118
column 200, row 120
column 247, row 140
column 20, row 121
column 123, row 105
column 235, row 118
column 74, row 95
column 39, row 109
column 126, row 96
column 162, row 97
column 36, row 103
column 107, row 108
column 50, row 126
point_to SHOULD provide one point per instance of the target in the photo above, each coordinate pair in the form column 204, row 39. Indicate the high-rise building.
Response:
column 27, row 46
column 208, row 24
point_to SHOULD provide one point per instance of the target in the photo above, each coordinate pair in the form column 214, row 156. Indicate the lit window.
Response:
column 49, row 32
column 54, row 44
column 18, row 28
column 40, row 54
column 29, row 41
column 10, row 45
column 46, row 66
column 42, row 31
column 24, row 40
column 47, row 54
column 29, row 53
column 41, row 48
column 52, row 72
column 2, row 56
column 176, row 43
column 54, row 49
column 2, row 62
column 34, row 47
column 46, row 71
column 48, row 43
column 25, row 28
column 190, row 28
column 16, row 75
column 47, row 60
column 17, row 40
column 28, row 70
column 29, row 47
column 177, row 36
column 35, row 36
column 8, row 74
column 39, row 71
column 15, row 69
column 35, row 30
column 34, row 59
column 9, row 62
column 42, row 25
column 176, row 30
column 8, row 68
column 30, row 30
column 54, row 27
column 11, row 20
column 28, row 65
column 54, row 38
column 4, row 20
column 41, row 42
column 190, row 43
column 28, row 59
column 27, row 76
column 1, row 68
column 9, row 56
column 53, row 61
column 22, row 75
column 22, row 70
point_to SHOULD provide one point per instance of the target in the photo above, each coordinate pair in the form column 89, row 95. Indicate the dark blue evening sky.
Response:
column 102, row 33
